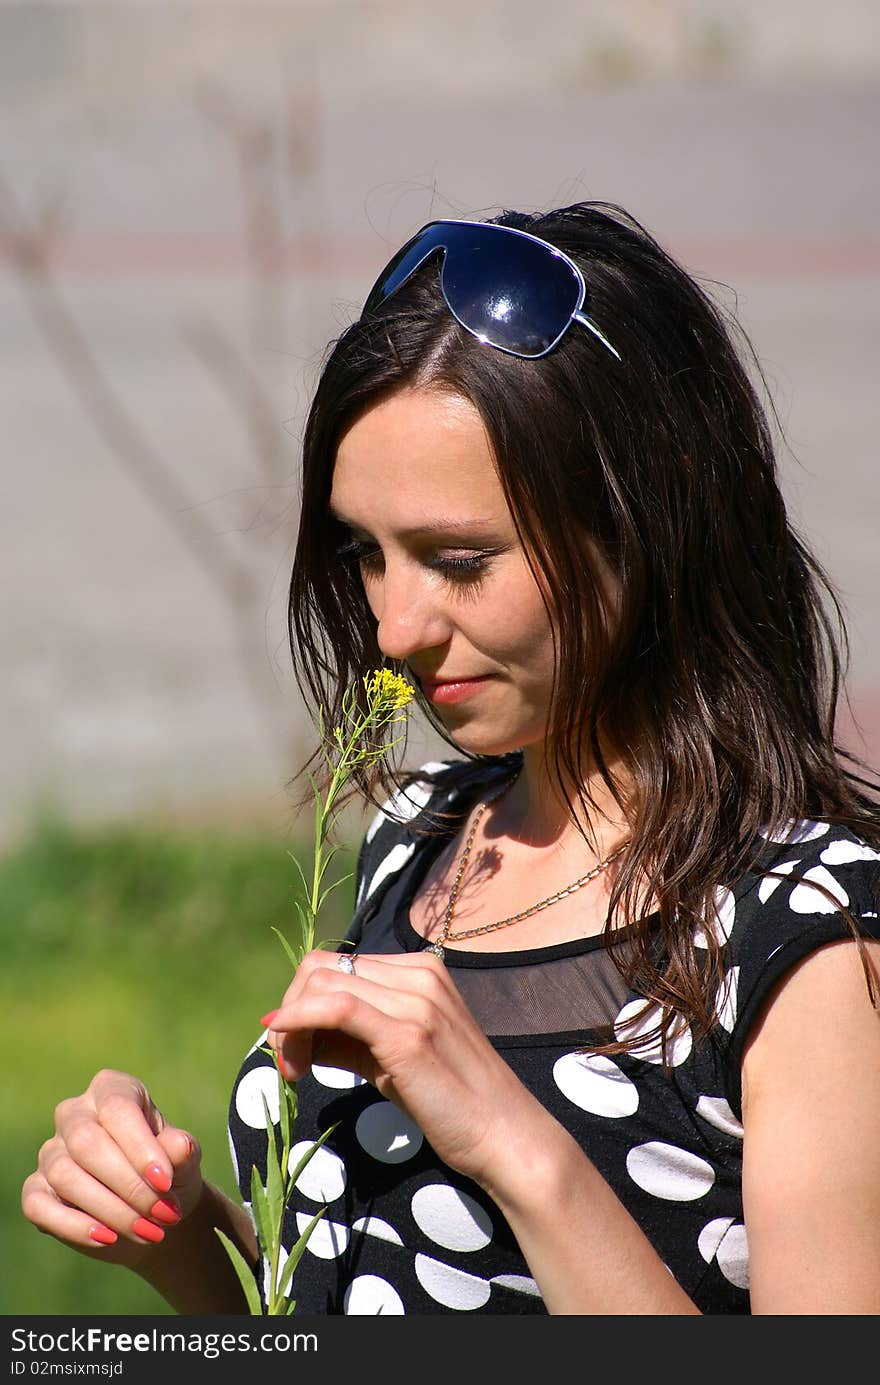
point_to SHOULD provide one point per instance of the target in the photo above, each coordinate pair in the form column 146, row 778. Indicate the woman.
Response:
column 609, row 1041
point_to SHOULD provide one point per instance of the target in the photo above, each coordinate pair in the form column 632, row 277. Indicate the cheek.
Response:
column 520, row 629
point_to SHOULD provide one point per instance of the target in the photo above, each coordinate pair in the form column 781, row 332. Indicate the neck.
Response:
column 533, row 815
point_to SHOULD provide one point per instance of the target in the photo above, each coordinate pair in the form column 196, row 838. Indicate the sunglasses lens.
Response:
column 509, row 291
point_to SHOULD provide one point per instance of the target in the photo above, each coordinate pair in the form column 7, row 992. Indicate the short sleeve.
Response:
column 786, row 915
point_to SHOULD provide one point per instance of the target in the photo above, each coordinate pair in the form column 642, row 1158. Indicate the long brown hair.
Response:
column 718, row 684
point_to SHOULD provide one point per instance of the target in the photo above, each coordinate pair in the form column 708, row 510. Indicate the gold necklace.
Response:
column 445, row 936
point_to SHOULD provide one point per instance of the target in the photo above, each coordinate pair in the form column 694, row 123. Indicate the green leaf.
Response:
column 290, row 1308
column 244, row 1272
column 334, row 886
column 274, row 1192
column 294, row 960
column 296, row 1252
column 295, row 859
column 309, row 1152
column 260, row 1208
column 284, row 1109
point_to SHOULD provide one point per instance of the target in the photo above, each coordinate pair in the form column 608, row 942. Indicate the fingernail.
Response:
column 102, row 1234
column 167, row 1210
column 266, row 1020
column 157, row 1178
column 147, row 1231
column 284, row 1067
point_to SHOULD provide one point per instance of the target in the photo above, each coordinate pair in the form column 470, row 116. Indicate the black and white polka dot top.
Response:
column 404, row 1233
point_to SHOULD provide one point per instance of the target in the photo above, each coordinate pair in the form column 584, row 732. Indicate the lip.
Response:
column 452, row 689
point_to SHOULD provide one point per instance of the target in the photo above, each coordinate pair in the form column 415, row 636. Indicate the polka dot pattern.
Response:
column 722, row 926
column 634, row 1021
column 395, row 861
column 597, row 1084
column 370, row 1296
column 717, row 1112
column 804, row 899
column 771, row 883
column 404, row 1234
column 451, row 1218
column 323, row 1179
column 674, row 1174
column 254, row 1086
column 387, row 1134
column 451, row 1287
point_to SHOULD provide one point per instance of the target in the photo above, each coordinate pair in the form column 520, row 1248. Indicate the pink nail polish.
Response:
column 148, row 1231
column 266, row 1020
column 157, row 1178
column 102, row 1234
column 167, row 1210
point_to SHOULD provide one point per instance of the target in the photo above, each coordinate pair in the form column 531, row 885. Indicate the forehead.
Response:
column 417, row 453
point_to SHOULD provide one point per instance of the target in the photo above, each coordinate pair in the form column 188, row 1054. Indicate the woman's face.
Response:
column 415, row 483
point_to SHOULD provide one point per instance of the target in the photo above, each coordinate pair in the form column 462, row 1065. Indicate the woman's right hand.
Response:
column 115, row 1178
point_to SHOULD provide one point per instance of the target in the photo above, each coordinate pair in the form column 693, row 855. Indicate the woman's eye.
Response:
column 457, row 569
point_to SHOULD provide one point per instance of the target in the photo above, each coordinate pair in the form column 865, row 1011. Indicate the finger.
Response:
column 49, row 1214
column 124, row 1108
column 344, row 1009
column 88, row 1146
column 141, row 1219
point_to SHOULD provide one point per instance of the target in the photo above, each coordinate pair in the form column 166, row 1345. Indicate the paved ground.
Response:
column 124, row 682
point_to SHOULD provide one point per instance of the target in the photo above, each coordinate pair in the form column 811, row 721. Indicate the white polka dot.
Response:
column 451, row 1287
column 794, row 833
column 406, row 803
column 805, row 900
column 340, row 1078
column 256, row 1084
column 595, row 1084
column 370, row 1296
column 627, row 1026
column 769, row 884
column 267, row 1271
column 715, row 1111
column 328, row 1238
column 712, row 1235
column 393, row 862
column 375, row 1226
column 520, row 1283
column 725, row 904
column 323, row 1177
column 727, row 997
column 724, row 1240
column 451, row 1218
column 733, row 1256
column 841, row 853
column 387, row 1134
column 669, row 1172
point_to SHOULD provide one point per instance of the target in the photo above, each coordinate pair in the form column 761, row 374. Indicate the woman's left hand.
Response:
column 400, row 1022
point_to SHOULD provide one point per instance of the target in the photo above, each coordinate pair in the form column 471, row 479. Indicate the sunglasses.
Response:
column 507, row 288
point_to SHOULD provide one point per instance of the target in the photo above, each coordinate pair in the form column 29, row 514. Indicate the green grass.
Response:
column 142, row 950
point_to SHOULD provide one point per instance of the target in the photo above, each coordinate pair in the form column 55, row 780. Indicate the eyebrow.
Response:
column 454, row 528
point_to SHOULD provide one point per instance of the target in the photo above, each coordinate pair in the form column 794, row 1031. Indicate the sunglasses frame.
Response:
column 577, row 315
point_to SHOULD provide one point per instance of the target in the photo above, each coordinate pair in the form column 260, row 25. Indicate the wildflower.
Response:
column 387, row 694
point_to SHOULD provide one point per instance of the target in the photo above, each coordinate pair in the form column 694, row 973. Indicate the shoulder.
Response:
column 812, row 884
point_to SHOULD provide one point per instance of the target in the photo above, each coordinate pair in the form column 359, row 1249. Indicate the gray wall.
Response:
column 209, row 189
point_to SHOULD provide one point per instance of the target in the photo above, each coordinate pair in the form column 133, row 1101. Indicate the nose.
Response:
column 411, row 614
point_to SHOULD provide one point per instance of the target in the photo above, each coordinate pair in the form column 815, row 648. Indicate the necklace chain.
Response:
column 445, row 936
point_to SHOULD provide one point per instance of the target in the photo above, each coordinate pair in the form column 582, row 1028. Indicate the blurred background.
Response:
column 194, row 198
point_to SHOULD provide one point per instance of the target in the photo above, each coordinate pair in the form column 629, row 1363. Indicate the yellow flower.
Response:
column 387, row 691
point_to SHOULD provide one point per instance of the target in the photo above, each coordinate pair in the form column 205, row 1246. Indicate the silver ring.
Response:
column 345, row 962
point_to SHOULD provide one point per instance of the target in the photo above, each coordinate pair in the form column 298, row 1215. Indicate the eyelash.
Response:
column 463, row 570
